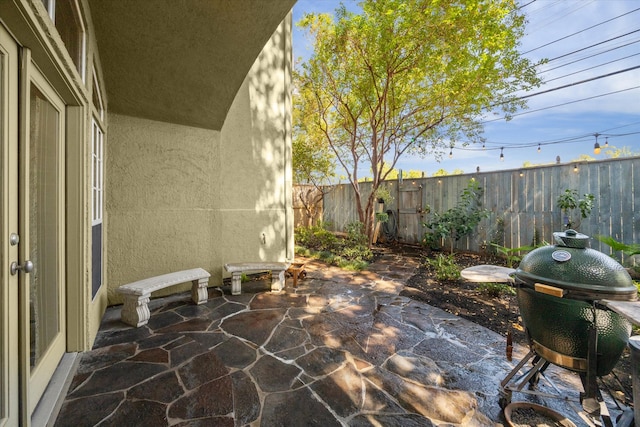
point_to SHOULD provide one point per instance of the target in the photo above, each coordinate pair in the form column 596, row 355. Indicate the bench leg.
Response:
column 277, row 280
column 135, row 311
column 236, row 281
column 199, row 293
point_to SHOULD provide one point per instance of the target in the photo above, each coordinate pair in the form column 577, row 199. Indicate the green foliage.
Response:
column 445, row 267
column 628, row 250
column 383, row 193
column 569, row 201
column 382, row 217
column 312, row 160
column 496, row 290
column 615, row 152
column 458, row 221
column 512, row 255
column 316, row 237
column 351, row 252
column 408, row 76
column 497, row 235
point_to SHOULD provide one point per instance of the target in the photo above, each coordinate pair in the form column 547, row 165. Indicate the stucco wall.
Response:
column 179, row 197
column 159, row 199
column 256, row 210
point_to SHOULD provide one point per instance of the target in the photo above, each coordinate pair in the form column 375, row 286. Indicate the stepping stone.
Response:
column 488, row 274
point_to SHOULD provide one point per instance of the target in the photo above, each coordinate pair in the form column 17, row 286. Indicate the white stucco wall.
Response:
column 179, row 197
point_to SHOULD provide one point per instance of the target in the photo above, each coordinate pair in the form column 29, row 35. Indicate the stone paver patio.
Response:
column 342, row 349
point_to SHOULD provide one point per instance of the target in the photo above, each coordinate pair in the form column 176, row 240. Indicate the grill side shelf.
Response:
column 630, row 310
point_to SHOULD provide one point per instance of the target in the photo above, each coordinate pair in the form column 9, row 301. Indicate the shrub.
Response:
column 569, row 201
column 496, row 290
column 458, row 221
column 512, row 255
column 315, row 237
column 351, row 252
column 445, row 267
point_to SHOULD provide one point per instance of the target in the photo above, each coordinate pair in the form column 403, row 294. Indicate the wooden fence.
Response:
column 522, row 203
column 307, row 205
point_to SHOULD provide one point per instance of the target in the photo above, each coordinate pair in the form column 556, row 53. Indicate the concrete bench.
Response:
column 277, row 273
column 135, row 311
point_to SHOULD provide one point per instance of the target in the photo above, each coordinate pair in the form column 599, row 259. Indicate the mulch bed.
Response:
column 499, row 314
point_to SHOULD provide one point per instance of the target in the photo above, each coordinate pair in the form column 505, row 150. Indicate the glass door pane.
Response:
column 42, row 223
column 43, row 219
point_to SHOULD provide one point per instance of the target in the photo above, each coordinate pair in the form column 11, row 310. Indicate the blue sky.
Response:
column 568, row 130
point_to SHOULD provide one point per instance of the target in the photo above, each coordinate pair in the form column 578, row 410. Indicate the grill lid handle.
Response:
column 571, row 239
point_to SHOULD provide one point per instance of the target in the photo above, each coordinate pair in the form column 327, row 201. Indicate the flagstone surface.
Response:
column 341, row 349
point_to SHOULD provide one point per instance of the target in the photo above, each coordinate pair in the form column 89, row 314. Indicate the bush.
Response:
column 445, row 267
column 351, row 252
column 496, row 289
column 315, row 237
column 458, row 221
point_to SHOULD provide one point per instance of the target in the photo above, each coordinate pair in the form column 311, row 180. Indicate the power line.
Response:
column 580, row 82
column 591, row 68
column 581, row 31
column 595, row 44
column 563, row 104
column 588, row 57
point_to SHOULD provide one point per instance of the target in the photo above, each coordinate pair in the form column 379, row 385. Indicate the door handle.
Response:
column 27, row 267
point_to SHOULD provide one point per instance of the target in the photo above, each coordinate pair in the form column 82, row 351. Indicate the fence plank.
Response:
column 521, row 208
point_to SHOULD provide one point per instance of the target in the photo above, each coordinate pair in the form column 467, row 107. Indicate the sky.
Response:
column 583, row 40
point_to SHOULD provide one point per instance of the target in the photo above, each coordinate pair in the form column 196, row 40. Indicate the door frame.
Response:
column 9, row 361
column 35, row 379
column 31, row 28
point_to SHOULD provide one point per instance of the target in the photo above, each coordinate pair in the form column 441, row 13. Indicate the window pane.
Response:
column 69, row 26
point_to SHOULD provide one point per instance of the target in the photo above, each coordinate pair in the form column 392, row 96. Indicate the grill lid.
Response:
column 580, row 272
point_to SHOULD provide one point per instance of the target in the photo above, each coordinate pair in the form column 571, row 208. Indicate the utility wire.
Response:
column 591, row 68
column 580, row 82
column 595, row 44
column 563, row 104
column 588, row 57
column 581, row 31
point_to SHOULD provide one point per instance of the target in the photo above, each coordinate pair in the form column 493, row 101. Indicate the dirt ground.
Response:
column 498, row 313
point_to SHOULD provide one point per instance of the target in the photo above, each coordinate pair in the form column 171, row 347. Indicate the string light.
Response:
column 501, row 154
column 539, row 149
column 575, row 168
column 451, row 153
column 596, row 147
column 606, row 142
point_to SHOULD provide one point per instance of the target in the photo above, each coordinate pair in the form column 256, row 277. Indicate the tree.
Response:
column 409, row 76
column 614, row 152
column 312, row 161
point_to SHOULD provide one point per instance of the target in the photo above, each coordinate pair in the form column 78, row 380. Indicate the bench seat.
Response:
column 135, row 311
column 277, row 273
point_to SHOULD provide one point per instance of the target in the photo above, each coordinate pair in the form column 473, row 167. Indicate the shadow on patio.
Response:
column 343, row 348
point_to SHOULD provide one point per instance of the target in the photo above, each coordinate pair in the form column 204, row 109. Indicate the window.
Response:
column 68, row 21
column 96, row 96
column 97, row 173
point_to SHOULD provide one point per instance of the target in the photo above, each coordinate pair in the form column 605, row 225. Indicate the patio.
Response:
column 343, row 348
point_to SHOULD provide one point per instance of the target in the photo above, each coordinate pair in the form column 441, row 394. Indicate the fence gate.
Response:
column 410, row 212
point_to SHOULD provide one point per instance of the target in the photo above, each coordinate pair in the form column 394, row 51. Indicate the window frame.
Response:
column 81, row 67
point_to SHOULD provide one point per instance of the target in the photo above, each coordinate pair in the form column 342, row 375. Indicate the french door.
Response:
column 9, row 384
column 36, row 228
